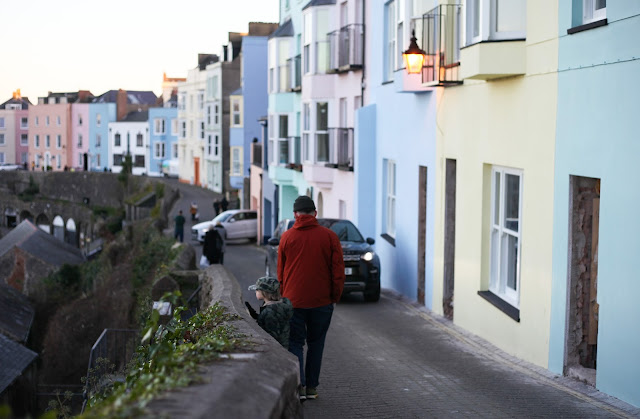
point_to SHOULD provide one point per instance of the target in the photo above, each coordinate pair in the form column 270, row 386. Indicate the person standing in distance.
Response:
column 179, row 226
column 311, row 275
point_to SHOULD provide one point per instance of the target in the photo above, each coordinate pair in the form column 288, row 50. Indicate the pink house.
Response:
column 79, row 136
column 14, row 125
column 52, row 144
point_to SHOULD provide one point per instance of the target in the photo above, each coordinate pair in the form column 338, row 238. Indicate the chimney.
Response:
column 121, row 104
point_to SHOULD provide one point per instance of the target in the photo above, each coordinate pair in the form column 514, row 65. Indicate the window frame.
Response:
column 235, row 157
column 390, row 197
column 497, row 281
column 321, row 131
column 589, row 12
column 486, row 13
column 236, row 113
column 159, row 126
column 390, row 39
column 159, row 149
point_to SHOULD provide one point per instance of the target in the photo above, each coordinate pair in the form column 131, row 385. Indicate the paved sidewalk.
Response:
column 392, row 359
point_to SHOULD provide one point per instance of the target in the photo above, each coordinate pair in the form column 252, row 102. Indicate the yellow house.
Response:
column 495, row 176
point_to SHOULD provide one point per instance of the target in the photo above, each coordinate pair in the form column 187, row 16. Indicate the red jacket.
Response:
column 310, row 264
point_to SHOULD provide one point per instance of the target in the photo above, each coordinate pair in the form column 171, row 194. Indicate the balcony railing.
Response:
column 256, row 154
column 441, row 38
column 295, row 64
column 341, row 148
column 347, row 48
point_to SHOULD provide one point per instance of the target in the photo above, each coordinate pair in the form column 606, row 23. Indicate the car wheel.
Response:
column 373, row 295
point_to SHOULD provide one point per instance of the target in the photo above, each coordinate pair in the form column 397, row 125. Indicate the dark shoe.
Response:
column 312, row 393
column 302, row 394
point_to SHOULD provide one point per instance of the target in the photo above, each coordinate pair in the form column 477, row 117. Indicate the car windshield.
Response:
column 222, row 217
column 345, row 230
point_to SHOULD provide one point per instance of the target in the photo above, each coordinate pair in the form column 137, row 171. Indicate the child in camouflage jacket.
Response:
column 276, row 311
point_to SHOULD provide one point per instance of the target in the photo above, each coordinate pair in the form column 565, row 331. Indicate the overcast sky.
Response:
column 71, row 45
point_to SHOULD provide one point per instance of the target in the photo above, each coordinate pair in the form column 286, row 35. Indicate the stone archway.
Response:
column 26, row 215
column 71, row 235
column 42, row 221
column 58, row 228
column 10, row 217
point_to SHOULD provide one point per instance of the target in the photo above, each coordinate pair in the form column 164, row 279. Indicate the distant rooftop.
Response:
column 313, row 3
column 41, row 245
column 17, row 314
column 284, row 30
column 136, row 116
column 134, row 97
column 14, row 359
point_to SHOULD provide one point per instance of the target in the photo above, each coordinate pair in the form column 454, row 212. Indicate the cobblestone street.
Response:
column 393, row 360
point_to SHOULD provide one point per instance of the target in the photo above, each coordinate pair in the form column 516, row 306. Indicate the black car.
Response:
column 361, row 263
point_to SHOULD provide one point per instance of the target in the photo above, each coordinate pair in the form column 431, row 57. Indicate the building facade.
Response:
column 594, row 287
column 163, row 139
column 79, row 154
column 284, row 115
column 100, row 115
column 130, row 136
column 14, row 130
column 191, row 123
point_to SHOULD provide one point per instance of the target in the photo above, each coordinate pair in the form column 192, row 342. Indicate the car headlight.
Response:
column 368, row 257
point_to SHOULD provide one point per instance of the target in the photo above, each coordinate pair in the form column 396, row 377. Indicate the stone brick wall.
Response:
column 259, row 384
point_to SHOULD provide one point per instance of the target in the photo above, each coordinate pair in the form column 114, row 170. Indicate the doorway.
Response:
column 422, row 232
column 196, row 171
column 582, row 302
column 449, row 238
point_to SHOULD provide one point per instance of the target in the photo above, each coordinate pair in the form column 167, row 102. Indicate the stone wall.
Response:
column 259, row 384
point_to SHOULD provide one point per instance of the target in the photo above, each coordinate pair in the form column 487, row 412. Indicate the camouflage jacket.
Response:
column 274, row 319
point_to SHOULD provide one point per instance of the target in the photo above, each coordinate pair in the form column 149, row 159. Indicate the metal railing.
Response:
column 347, row 48
column 117, row 347
column 441, row 39
column 341, row 148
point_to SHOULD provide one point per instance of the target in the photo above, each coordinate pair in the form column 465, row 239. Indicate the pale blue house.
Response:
column 163, row 139
column 284, row 115
column 100, row 114
column 395, row 157
column 595, row 289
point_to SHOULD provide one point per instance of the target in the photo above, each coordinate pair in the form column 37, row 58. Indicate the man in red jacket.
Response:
column 311, row 274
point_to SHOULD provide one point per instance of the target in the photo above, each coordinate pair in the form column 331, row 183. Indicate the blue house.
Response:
column 395, row 149
column 595, row 288
column 163, row 138
column 100, row 114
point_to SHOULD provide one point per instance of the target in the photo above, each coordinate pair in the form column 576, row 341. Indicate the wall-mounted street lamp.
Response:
column 413, row 56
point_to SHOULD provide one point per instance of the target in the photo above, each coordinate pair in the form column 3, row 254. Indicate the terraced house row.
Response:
column 498, row 177
column 498, row 180
column 80, row 131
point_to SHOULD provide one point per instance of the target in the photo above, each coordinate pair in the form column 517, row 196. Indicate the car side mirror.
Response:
column 370, row 240
column 273, row 241
column 232, row 220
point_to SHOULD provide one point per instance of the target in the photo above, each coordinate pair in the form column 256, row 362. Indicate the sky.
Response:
column 71, row 45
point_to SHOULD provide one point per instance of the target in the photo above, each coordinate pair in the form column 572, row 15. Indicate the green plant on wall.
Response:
column 30, row 191
column 167, row 358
